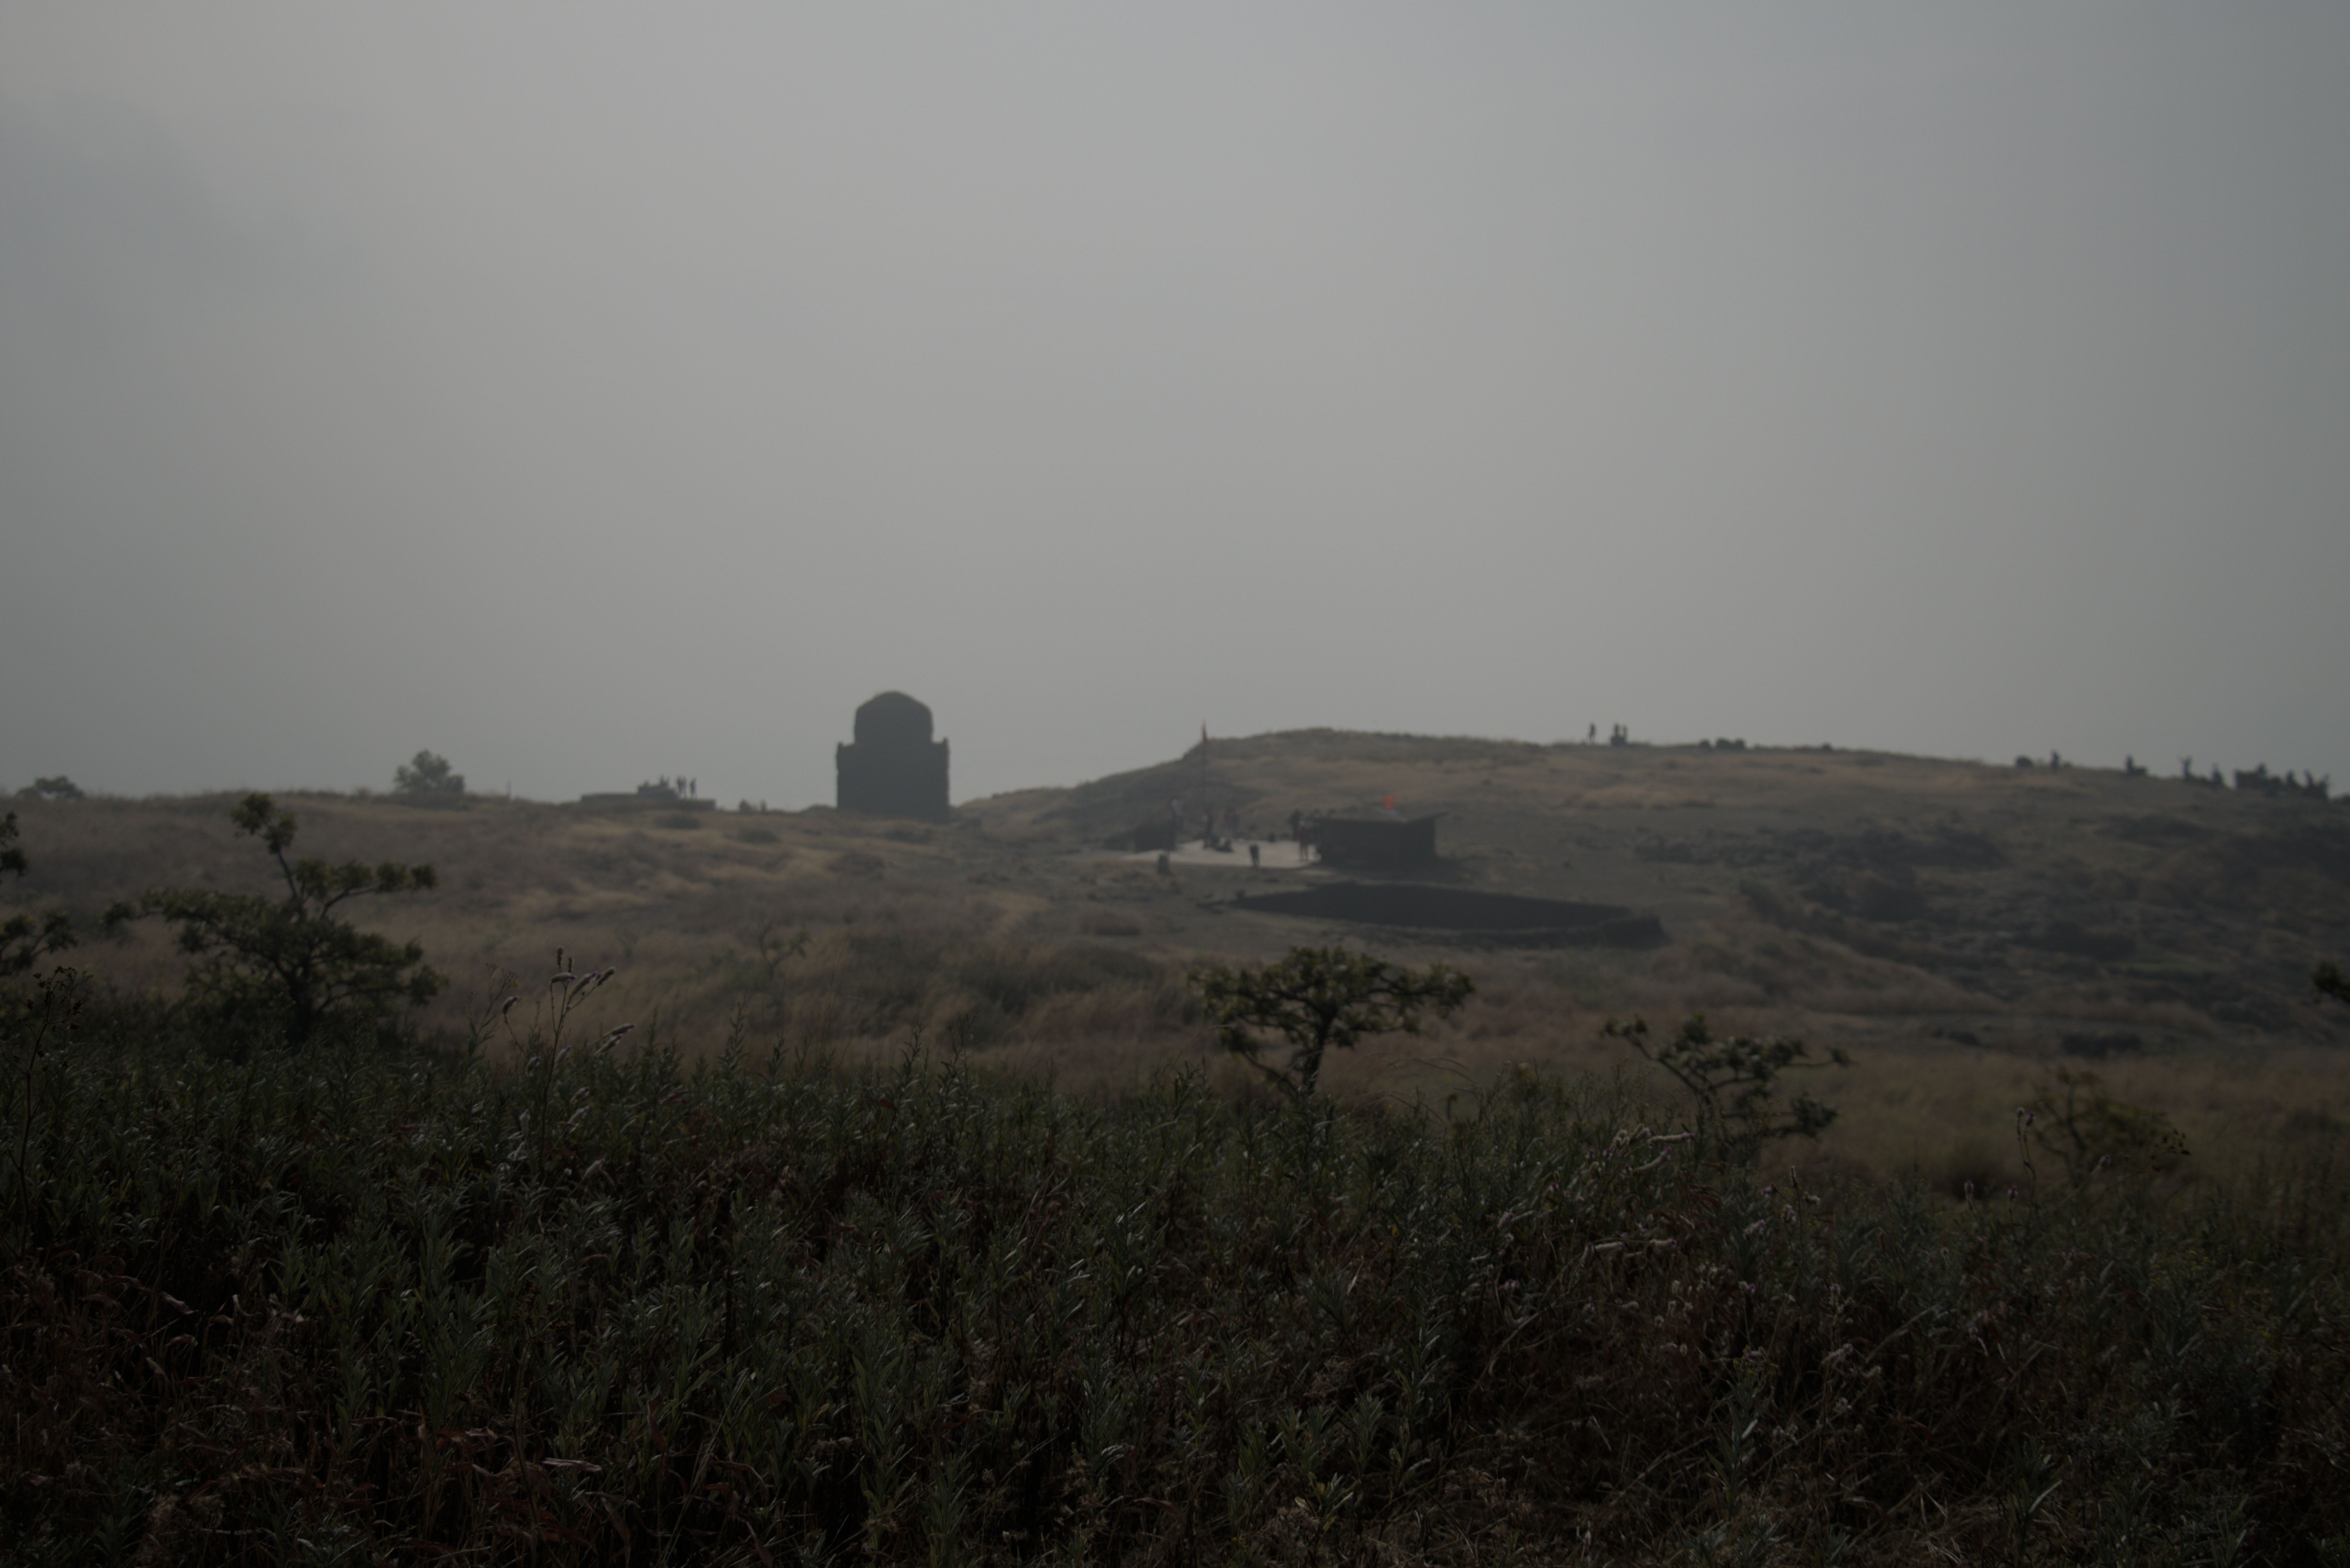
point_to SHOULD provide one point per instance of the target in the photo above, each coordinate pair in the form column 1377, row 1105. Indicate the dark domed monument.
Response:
column 893, row 768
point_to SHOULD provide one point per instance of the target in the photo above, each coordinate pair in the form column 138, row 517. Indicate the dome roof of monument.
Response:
column 893, row 719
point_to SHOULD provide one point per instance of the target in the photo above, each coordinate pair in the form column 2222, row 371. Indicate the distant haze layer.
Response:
column 595, row 392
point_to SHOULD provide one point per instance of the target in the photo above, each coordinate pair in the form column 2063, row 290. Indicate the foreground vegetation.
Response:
column 354, row 1304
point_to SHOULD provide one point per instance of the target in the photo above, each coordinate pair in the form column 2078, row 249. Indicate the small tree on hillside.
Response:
column 2329, row 982
column 2088, row 1130
column 1733, row 1083
column 26, row 940
column 290, row 961
column 1317, row 998
column 427, row 773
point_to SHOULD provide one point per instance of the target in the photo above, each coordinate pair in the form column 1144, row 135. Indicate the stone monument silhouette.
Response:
column 893, row 768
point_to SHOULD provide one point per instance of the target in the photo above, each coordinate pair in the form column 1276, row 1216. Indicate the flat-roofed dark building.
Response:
column 1389, row 846
column 893, row 768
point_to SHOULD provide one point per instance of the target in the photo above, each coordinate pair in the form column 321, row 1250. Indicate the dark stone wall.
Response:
column 893, row 768
column 1381, row 844
column 1499, row 919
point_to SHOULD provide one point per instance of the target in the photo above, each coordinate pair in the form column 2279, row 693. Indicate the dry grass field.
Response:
column 1962, row 930
column 769, row 1283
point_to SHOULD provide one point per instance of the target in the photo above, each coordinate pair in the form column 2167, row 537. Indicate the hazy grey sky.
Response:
column 589, row 392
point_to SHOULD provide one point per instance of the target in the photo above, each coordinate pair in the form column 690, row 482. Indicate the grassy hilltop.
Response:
column 1959, row 928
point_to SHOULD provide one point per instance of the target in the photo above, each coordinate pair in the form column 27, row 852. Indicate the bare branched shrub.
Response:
column 1317, row 1000
column 1733, row 1084
column 2087, row 1131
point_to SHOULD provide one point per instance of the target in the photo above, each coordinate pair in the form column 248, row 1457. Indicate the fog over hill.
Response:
column 590, row 392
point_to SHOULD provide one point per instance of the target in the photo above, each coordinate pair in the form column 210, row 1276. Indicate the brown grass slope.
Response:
column 1959, row 928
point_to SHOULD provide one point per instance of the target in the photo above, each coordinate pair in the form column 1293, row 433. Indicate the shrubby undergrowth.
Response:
column 352, row 1304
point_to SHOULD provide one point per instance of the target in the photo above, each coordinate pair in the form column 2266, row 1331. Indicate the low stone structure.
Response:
column 1464, row 916
column 1383, row 846
column 674, row 796
column 893, row 768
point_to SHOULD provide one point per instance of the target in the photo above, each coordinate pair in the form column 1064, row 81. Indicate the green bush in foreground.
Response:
column 341, row 1306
